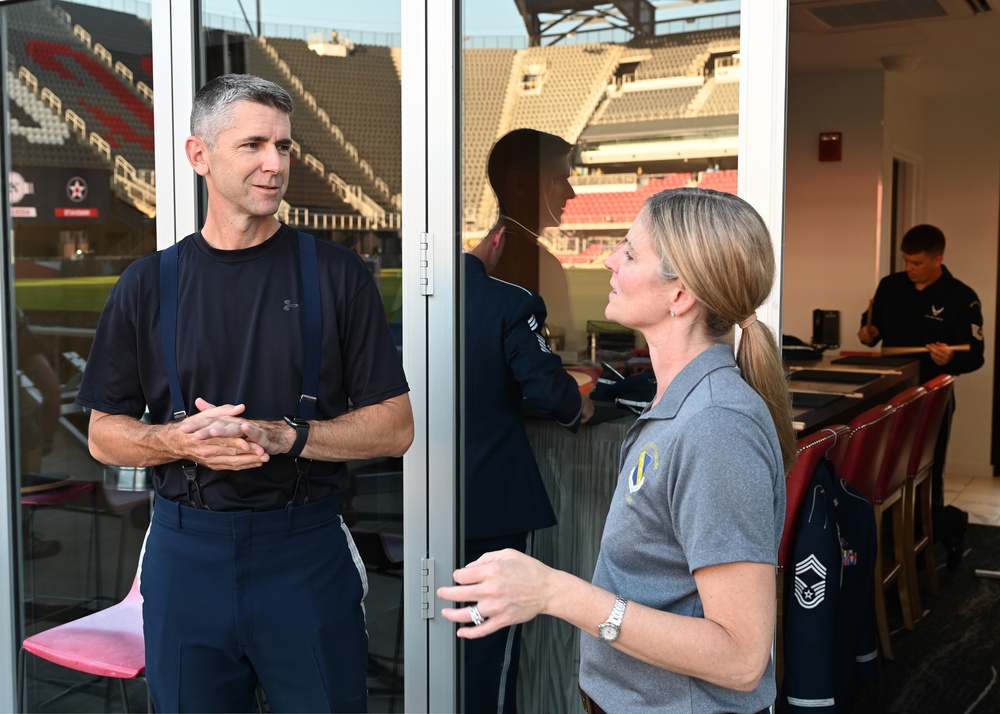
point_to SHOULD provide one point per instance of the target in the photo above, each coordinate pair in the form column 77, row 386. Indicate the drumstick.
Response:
column 891, row 351
column 868, row 320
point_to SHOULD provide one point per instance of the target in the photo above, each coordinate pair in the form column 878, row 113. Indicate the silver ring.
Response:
column 477, row 617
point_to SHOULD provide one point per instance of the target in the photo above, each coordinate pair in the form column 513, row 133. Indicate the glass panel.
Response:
column 617, row 107
column 342, row 68
column 79, row 123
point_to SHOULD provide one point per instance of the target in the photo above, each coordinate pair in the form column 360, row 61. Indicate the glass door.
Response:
column 567, row 122
column 343, row 69
column 81, row 187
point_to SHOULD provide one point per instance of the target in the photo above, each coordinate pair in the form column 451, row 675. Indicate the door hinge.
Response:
column 427, row 588
column 426, row 263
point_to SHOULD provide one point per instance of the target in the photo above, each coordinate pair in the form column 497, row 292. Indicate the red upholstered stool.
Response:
column 861, row 463
column 918, row 483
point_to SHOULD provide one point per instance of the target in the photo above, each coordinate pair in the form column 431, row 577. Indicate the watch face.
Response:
column 608, row 632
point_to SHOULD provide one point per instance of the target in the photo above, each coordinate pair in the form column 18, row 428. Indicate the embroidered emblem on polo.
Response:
column 289, row 305
column 649, row 460
column 810, row 582
column 936, row 311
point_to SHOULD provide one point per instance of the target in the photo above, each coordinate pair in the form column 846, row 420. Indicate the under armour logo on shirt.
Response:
column 290, row 305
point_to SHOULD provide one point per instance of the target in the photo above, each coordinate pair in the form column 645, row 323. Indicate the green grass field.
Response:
column 588, row 291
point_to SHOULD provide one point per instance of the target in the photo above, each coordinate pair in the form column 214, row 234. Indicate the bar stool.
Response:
column 61, row 492
column 910, row 406
column 810, row 450
column 861, row 465
column 918, row 484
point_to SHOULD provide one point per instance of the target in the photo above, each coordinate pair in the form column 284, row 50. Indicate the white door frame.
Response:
column 430, row 349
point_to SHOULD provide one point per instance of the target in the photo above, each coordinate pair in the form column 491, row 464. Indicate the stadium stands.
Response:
column 361, row 94
column 128, row 38
column 684, row 54
column 328, row 144
column 642, row 105
column 720, row 180
column 561, row 86
column 42, row 43
column 616, row 206
column 485, row 79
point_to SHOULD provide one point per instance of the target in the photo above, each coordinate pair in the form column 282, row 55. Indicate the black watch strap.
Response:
column 301, row 427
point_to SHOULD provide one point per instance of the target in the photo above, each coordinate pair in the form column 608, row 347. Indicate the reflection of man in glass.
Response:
column 507, row 364
column 529, row 171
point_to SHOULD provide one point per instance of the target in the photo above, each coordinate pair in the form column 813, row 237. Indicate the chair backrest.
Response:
column 810, row 451
column 868, row 437
column 909, row 405
column 939, row 391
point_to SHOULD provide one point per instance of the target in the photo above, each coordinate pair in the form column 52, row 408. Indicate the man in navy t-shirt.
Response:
column 247, row 343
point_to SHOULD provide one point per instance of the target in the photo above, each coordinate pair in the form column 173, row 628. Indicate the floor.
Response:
column 978, row 495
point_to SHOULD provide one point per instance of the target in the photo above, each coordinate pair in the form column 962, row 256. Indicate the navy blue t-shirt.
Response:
column 239, row 340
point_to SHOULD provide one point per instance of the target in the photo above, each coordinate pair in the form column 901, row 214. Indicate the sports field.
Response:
column 588, row 291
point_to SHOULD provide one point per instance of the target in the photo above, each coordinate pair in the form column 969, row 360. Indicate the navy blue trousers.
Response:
column 491, row 662
column 233, row 599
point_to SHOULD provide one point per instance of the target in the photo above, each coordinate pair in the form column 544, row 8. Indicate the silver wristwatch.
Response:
column 609, row 630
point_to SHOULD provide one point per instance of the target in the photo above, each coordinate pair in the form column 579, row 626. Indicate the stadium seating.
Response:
column 128, row 38
column 617, row 206
column 361, row 93
column 484, row 86
column 314, row 136
column 720, row 180
column 41, row 42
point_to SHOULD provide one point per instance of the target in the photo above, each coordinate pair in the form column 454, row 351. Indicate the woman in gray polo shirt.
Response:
column 681, row 610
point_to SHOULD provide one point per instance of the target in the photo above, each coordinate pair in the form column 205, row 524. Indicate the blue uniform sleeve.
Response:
column 540, row 373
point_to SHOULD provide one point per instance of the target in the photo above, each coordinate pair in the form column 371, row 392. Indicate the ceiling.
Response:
column 958, row 54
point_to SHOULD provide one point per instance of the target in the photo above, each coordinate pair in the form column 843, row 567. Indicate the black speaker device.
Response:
column 826, row 329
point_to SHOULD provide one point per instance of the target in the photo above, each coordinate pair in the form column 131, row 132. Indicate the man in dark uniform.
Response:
column 249, row 574
column 507, row 361
column 925, row 306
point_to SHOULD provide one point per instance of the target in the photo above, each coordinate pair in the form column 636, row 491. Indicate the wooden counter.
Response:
column 849, row 398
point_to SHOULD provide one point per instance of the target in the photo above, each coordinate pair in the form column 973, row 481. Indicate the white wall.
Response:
column 962, row 180
column 836, row 239
column 831, row 208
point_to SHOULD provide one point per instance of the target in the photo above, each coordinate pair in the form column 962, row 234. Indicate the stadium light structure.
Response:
column 552, row 21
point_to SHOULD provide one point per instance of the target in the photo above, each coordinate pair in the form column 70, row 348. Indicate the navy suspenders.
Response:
column 312, row 330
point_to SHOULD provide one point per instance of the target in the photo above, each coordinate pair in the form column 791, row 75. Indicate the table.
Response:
column 825, row 400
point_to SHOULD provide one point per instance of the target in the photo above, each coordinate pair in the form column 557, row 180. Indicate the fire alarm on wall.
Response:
column 829, row 146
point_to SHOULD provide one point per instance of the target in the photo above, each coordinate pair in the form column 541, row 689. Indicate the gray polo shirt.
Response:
column 701, row 482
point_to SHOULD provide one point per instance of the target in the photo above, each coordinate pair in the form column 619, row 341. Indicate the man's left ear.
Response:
column 196, row 150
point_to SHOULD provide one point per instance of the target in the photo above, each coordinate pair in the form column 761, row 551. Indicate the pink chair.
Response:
column 107, row 643
column 918, row 482
column 810, row 450
column 860, row 463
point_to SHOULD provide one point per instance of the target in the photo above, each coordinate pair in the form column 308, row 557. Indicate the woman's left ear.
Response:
column 682, row 299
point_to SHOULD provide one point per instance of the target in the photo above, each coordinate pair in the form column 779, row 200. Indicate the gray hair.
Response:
column 211, row 111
